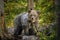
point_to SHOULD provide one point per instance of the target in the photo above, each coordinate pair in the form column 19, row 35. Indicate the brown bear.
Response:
column 25, row 21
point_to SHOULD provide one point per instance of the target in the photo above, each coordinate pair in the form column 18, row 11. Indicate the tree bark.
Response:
column 2, row 24
column 1, row 17
column 57, row 4
column 30, row 4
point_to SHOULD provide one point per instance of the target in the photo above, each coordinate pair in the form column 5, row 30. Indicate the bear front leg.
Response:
column 17, row 32
column 26, row 31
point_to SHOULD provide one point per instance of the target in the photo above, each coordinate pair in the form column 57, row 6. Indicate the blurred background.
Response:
column 46, row 16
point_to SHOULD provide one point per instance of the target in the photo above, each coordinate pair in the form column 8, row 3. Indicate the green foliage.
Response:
column 13, row 8
column 46, row 8
column 43, row 35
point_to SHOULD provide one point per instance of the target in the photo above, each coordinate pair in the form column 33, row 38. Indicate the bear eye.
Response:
column 30, row 15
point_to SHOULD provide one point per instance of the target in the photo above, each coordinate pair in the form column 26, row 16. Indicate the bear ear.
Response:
column 29, row 10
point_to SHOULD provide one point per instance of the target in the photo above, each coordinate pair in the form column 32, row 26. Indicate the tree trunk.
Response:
column 57, row 3
column 30, row 4
column 1, row 17
column 2, row 24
